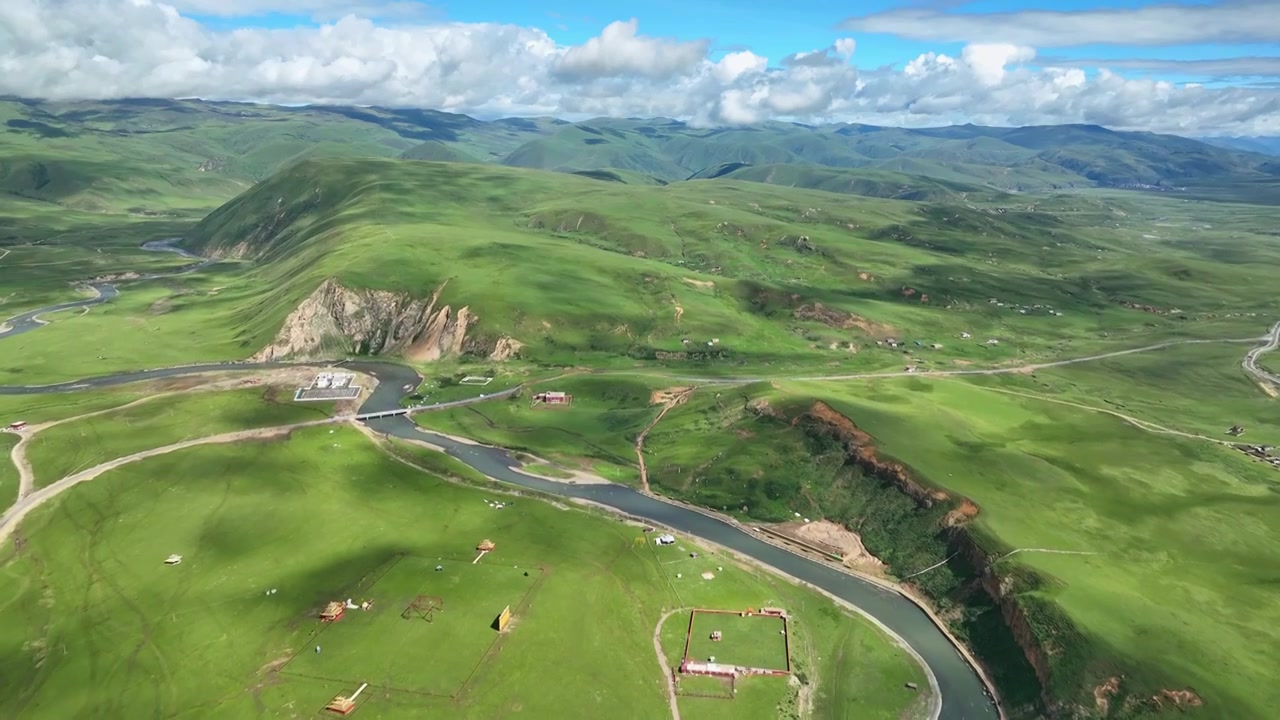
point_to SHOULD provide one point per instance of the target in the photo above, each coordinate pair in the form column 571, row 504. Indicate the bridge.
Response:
column 436, row 406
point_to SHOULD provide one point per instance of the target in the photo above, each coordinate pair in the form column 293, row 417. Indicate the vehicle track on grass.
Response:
column 1250, row 362
column 666, row 408
column 957, row 698
column 25, row 505
column 667, row 676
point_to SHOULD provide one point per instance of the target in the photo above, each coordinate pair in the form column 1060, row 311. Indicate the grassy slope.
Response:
column 181, row 156
column 67, row 448
column 601, row 427
column 8, row 473
column 1030, row 158
column 637, row 253
column 1184, row 532
column 866, row 182
column 89, row 584
column 1184, row 529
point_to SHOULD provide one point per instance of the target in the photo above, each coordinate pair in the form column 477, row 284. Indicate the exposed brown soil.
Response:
column 841, row 540
column 669, row 398
column 1178, row 699
column 378, row 322
column 704, row 284
column 837, row 318
column 862, row 450
column 669, row 395
column 1103, row 693
column 505, row 349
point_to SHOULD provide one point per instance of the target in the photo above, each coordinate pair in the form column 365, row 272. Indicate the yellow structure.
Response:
column 504, row 618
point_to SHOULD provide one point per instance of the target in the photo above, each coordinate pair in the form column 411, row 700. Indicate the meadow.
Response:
column 87, row 594
column 64, row 449
column 1161, row 545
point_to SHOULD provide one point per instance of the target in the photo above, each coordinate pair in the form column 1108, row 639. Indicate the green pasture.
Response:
column 70, row 447
column 8, row 473
column 310, row 516
column 754, row 641
column 435, row 657
column 1179, row 533
column 599, row 427
column 1197, row 389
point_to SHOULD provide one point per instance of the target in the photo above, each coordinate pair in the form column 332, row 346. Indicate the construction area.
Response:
column 329, row 386
column 733, row 644
column 550, row 399
column 423, row 606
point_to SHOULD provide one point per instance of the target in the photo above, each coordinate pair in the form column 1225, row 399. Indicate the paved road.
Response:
column 1250, row 362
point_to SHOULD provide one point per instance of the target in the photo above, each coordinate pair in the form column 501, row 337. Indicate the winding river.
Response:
column 964, row 696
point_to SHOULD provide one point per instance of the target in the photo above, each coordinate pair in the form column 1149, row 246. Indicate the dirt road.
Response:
column 666, row 408
column 1250, row 362
column 24, row 505
column 662, row 661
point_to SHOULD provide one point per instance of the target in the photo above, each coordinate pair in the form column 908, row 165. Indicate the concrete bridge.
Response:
column 437, row 406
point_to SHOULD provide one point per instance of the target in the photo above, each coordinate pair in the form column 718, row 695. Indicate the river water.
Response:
column 964, row 697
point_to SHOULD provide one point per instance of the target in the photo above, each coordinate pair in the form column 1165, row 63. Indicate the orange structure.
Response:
column 333, row 611
column 344, row 705
column 486, row 545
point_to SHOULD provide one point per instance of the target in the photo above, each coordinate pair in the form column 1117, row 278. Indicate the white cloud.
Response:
column 1229, row 67
column 620, row 51
column 1228, row 21
column 66, row 49
column 988, row 60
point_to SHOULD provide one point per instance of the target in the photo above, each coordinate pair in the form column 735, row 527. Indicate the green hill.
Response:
column 187, row 156
column 478, row 266
column 863, row 181
column 618, row 272
column 436, row 151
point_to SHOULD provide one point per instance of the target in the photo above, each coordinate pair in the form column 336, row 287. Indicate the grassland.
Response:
column 596, row 433
column 311, row 516
column 8, row 473
column 1160, row 542
column 753, row 641
column 64, row 449
column 1179, row 534
column 614, row 275
column 636, row 278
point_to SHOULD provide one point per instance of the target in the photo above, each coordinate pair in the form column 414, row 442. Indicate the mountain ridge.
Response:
column 194, row 154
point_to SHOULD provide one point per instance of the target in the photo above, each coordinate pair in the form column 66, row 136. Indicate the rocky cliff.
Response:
column 336, row 319
column 953, row 526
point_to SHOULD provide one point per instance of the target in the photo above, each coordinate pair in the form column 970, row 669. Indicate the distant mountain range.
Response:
column 200, row 153
column 1265, row 145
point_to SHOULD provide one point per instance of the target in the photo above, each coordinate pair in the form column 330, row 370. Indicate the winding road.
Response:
column 961, row 693
column 1250, row 362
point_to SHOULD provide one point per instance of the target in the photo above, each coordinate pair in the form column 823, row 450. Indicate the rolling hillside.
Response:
column 864, row 182
column 728, row 277
column 612, row 271
column 184, row 157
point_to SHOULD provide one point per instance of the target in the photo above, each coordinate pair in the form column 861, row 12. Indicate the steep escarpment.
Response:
column 1043, row 663
column 924, row 534
column 349, row 321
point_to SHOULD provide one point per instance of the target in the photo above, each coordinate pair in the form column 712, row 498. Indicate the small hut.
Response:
column 716, row 636
column 344, row 705
column 486, row 545
column 333, row 611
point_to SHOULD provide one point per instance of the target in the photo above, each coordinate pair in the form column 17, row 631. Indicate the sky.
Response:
column 1191, row 68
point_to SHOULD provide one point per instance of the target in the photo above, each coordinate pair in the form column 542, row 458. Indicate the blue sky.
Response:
column 776, row 29
column 1162, row 65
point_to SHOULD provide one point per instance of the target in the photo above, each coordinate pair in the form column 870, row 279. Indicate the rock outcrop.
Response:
column 339, row 320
